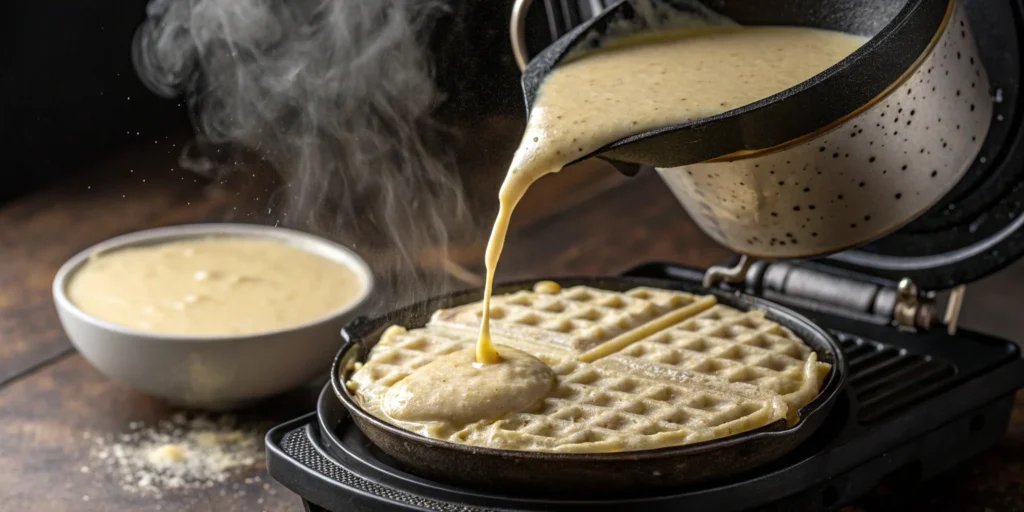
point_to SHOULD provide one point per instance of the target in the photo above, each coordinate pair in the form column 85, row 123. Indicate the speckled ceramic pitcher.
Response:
column 846, row 157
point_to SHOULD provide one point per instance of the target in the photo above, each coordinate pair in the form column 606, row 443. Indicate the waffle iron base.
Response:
column 917, row 405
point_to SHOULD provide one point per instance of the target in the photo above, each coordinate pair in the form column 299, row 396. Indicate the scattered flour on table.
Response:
column 184, row 453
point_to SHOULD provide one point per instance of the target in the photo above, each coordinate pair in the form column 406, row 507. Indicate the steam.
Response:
column 337, row 96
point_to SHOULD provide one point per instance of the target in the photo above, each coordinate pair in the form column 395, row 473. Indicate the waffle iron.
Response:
column 916, row 405
column 921, row 397
column 592, row 474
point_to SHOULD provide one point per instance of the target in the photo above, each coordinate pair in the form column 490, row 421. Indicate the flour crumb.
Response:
column 183, row 453
column 166, row 455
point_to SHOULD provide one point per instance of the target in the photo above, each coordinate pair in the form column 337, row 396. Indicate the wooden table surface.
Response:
column 580, row 222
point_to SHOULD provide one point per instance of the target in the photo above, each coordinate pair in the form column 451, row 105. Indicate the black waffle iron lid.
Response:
column 976, row 229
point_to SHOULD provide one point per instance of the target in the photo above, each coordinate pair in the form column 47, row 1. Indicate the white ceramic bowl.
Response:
column 210, row 372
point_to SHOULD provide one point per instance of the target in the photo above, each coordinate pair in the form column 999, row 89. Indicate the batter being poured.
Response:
column 609, row 94
column 583, row 105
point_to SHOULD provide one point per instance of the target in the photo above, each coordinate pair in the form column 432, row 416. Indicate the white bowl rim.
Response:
column 155, row 236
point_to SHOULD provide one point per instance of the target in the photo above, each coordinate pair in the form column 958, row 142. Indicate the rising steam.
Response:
column 337, row 95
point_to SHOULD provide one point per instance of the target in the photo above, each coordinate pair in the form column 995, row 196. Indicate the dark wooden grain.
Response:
column 44, row 447
column 583, row 221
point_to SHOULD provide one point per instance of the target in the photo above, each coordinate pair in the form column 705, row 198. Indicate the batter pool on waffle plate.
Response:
column 636, row 370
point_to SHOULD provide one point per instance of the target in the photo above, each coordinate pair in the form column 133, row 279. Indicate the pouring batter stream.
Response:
column 585, row 104
column 636, row 86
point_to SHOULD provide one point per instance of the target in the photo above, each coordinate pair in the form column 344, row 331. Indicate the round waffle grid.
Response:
column 637, row 370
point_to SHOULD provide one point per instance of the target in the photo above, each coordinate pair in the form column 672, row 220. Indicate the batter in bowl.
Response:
column 216, row 286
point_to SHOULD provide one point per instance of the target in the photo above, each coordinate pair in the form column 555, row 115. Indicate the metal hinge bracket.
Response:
column 904, row 306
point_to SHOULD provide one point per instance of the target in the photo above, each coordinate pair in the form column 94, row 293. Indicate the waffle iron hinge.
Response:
column 904, row 306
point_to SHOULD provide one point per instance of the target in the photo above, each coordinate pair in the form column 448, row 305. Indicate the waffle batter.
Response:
column 213, row 287
column 456, row 389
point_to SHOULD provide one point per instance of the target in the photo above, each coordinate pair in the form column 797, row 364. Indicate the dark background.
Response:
column 71, row 95
column 70, row 92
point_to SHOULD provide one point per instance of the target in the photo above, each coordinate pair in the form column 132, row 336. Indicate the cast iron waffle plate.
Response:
column 916, row 405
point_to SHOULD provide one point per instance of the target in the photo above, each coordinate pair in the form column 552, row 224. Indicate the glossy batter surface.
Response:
column 456, row 389
column 213, row 287
column 630, row 88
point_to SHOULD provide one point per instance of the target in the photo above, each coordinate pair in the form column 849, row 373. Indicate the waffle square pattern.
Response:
column 635, row 370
